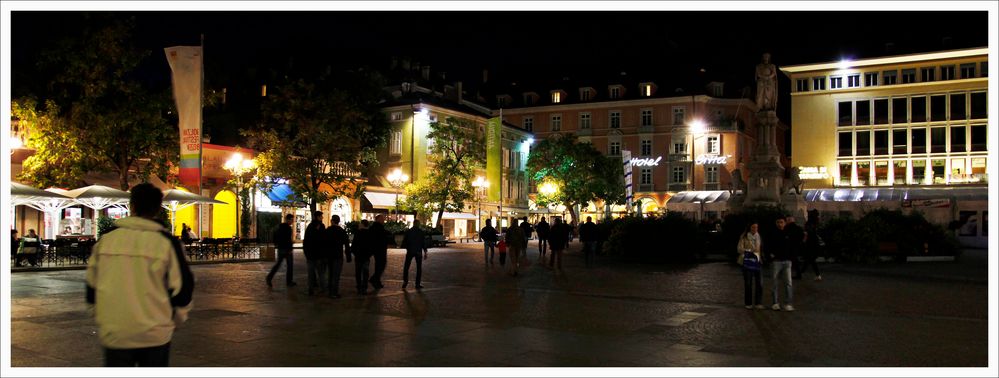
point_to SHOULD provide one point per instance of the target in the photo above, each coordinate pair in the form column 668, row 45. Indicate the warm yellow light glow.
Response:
column 698, row 126
column 548, row 188
column 556, row 97
column 224, row 215
column 397, row 178
column 15, row 143
column 480, row 182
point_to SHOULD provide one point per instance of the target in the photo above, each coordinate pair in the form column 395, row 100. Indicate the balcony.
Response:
column 678, row 158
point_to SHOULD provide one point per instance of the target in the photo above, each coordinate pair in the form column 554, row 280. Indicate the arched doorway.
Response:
column 224, row 216
column 188, row 215
column 341, row 207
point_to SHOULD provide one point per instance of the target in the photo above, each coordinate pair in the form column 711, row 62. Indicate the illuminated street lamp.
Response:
column 396, row 178
column 548, row 188
column 480, row 184
column 239, row 167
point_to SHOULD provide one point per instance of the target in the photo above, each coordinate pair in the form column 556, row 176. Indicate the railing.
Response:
column 75, row 253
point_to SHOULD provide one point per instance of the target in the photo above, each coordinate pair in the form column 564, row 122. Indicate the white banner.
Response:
column 626, row 158
column 186, row 65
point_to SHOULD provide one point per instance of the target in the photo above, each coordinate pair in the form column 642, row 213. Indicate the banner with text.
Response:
column 626, row 158
column 494, row 157
column 186, row 66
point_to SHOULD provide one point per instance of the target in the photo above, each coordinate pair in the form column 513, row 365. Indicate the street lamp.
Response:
column 480, row 184
column 396, row 178
column 238, row 167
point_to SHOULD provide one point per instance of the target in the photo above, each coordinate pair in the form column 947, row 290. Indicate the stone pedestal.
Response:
column 766, row 174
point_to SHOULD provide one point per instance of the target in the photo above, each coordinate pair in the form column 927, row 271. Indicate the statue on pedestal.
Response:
column 766, row 84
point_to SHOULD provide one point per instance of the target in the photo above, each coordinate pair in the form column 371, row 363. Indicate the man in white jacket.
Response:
column 140, row 285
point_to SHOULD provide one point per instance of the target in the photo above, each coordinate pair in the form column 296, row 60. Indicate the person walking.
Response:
column 543, row 229
column 779, row 254
column 796, row 238
column 140, row 285
column 379, row 242
column 559, row 240
column 362, row 247
column 813, row 245
column 339, row 247
column 588, row 235
column 751, row 261
column 489, row 238
column 282, row 242
column 516, row 243
column 415, row 243
column 313, row 246
column 528, row 232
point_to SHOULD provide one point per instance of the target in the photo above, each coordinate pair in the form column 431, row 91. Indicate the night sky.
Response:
column 517, row 46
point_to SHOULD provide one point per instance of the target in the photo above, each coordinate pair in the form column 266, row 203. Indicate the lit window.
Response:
column 647, row 117
column 556, row 122
column 395, row 146
column 713, row 146
column 647, row 90
column 679, row 148
column 585, row 120
column 396, row 116
column 556, row 97
column 615, row 120
column 615, row 149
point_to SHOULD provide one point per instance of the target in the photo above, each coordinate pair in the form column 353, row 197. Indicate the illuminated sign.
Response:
column 813, row 173
column 711, row 159
column 646, row 162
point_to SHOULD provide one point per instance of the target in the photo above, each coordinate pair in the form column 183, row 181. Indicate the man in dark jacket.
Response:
column 415, row 243
column 314, row 255
column 282, row 242
column 778, row 250
column 379, row 240
column 559, row 239
column 543, row 229
column 339, row 247
column 796, row 239
column 588, row 235
column 489, row 238
column 361, row 248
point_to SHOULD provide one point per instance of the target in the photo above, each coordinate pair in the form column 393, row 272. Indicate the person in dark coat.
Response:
column 282, row 242
column 379, row 240
column 362, row 247
column 489, row 238
column 415, row 243
column 528, row 231
column 315, row 257
column 339, row 247
column 559, row 240
column 778, row 249
column 813, row 246
column 543, row 229
column 796, row 239
column 588, row 235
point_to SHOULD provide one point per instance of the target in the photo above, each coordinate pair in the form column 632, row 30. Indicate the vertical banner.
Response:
column 186, row 65
column 626, row 158
column 494, row 157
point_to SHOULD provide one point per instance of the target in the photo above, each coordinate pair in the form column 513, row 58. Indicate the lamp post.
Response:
column 396, row 178
column 480, row 184
column 238, row 167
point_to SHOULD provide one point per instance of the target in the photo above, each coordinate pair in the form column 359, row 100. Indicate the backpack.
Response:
column 750, row 261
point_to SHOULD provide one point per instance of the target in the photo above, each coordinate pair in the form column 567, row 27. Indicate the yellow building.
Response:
column 867, row 130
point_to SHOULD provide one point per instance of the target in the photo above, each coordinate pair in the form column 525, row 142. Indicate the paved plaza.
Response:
column 616, row 314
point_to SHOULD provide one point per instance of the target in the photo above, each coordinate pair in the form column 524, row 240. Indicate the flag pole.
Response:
column 201, row 135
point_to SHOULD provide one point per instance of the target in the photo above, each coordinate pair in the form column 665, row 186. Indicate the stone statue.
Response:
column 766, row 84
column 793, row 181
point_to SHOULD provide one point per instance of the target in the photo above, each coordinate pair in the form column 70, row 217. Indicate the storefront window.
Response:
column 919, row 171
column 939, row 171
column 900, row 170
column 978, row 169
column 863, row 172
column 958, row 171
column 845, row 173
column 881, row 172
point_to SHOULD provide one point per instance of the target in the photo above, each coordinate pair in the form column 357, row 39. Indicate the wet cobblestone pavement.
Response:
column 469, row 314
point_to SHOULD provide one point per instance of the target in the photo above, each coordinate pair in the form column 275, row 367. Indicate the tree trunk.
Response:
column 123, row 180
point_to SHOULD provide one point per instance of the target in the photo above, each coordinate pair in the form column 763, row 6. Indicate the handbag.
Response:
column 750, row 261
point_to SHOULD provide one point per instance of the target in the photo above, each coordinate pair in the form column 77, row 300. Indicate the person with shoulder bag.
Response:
column 752, row 262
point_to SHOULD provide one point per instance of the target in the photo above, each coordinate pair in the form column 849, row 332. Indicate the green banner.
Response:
column 494, row 157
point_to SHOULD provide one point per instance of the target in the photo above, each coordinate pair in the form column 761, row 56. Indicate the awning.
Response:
column 707, row 196
column 383, row 200
column 459, row 216
column 894, row 194
column 282, row 195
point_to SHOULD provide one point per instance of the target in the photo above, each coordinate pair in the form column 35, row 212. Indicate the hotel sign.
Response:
column 813, row 173
column 646, row 162
column 711, row 159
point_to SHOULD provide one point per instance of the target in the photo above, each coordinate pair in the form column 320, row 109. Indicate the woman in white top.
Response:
column 751, row 261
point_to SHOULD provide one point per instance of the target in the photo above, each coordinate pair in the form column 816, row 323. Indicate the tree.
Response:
column 578, row 170
column 97, row 115
column 458, row 150
column 321, row 134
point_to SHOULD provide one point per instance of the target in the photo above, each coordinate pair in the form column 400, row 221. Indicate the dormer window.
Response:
column 503, row 100
column 615, row 91
column 586, row 94
column 646, row 89
column 530, row 98
column 557, row 96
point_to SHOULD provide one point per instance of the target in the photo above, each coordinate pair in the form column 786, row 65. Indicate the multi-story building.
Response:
column 895, row 129
column 679, row 140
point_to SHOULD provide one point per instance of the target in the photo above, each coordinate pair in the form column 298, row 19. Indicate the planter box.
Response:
column 928, row 258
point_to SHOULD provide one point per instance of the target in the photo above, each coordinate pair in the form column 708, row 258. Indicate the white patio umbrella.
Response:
column 99, row 197
column 49, row 202
column 176, row 200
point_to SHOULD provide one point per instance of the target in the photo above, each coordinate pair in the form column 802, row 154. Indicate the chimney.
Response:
column 459, row 90
column 426, row 72
column 485, row 76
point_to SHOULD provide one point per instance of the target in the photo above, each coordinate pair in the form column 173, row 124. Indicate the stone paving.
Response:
column 468, row 314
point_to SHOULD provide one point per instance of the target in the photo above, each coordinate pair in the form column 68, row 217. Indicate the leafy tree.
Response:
column 97, row 116
column 457, row 151
column 580, row 172
column 321, row 134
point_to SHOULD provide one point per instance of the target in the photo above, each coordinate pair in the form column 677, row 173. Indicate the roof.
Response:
column 910, row 58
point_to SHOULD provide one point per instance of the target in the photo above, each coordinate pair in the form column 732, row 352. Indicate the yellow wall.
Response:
column 224, row 216
column 186, row 215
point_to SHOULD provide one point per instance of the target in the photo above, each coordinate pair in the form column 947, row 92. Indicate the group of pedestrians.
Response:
column 326, row 248
column 781, row 249
column 554, row 237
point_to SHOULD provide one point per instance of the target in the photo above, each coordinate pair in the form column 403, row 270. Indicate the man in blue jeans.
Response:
column 282, row 241
column 489, row 238
column 780, row 253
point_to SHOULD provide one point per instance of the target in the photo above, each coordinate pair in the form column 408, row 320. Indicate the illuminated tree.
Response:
column 579, row 172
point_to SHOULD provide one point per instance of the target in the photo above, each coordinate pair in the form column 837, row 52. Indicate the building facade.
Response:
column 915, row 123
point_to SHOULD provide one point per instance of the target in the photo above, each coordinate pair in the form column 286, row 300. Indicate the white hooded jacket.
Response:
column 140, row 283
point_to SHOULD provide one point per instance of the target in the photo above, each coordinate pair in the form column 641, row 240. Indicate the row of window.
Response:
column 892, row 77
column 712, row 146
column 679, row 175
column 613, row 117
column 915, row 140
column 913, row 109
column 915, row 171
